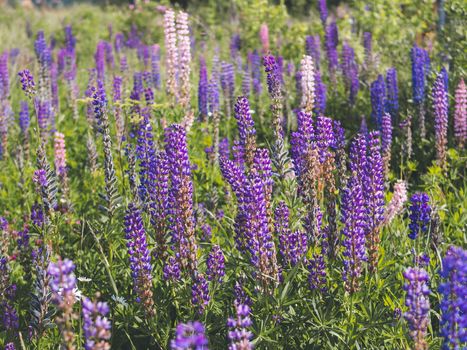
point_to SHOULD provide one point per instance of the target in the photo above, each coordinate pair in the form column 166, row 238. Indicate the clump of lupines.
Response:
column 440, row 109
column 215, row 264
column 454, row 292
column 378, row 100
column 420, row 212
column 239, row 335
column 96, row 326
column 170, row 34
column 460, row 114
column 184, row 58
column 181, row 198
column 63, row 283
column 140, row 258
column 189, row 336
column 396, row 204
column 392, row 93
column 307, row 84
column 418, row 305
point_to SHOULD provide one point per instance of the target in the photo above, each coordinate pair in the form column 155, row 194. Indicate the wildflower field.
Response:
column 245, row 174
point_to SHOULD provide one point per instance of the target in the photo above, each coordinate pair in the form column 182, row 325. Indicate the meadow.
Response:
column 238, row 175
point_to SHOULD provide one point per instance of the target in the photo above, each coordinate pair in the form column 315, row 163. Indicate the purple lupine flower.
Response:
column 96, row 326
column 323, row 11
column 37, row 215
column 24, row 119
column 239, row 335
column 119, row 42
column 235, row 45
column 246, row 128
column 43, row 53
column 300, row 140
column 460, row 114
column 4, row 76
column 213, row 95
column 317, row 273
column 386, row 139
column 62, row 283
column 171, row 270
column 189, row 336
column 246, row 82
column 454, row 302
column 140, row 258
column 70, row 40
column 420, row 212
column 43, row 111
column 444, row 73
column 418, row 305
column 200, row 293
column 203, row 89
column 374, row 196
column 155, row 66
column 27, row 82
column 228, row 84
column 99, row 58
column 123, row 64
column 275, row 94
column 10, row 346
column 353, row 219
column 256, row 73
column 440, row 109
column 392, row 93
column 182, row 222
column 109, row 57
column 418, row 57
column 324, row 137
column 313, row 49
column 331, row 41
column 368, row 48
column 292, row 245
column 215, row 264
column 320, row 95
column 378, row 100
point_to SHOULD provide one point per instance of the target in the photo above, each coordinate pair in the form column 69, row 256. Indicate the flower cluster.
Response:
column 418, row 305
column 170, row 34
column 239, row 335
column 184, row 58
column 420, row 212
column 96, row 326
column 189, row 336
column 440, row 107
column 396, row 205
column 140, row 258
column 27, row 82
column 215, row 264
column 454, row 303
